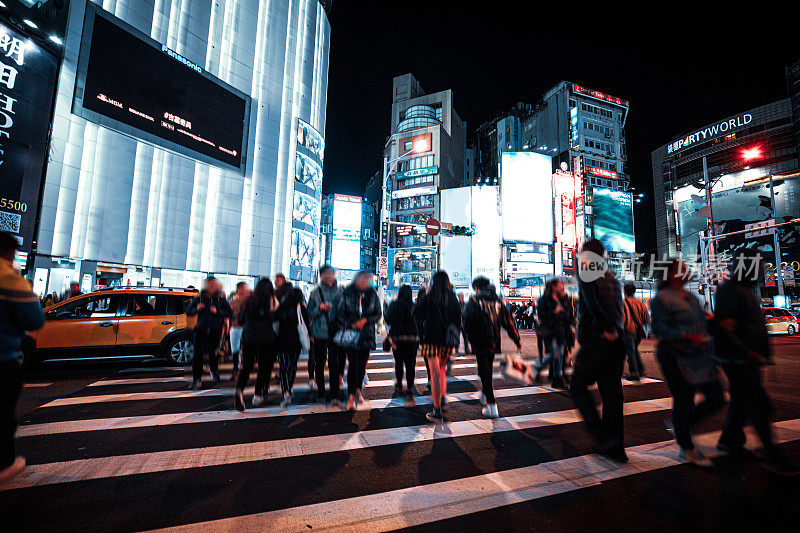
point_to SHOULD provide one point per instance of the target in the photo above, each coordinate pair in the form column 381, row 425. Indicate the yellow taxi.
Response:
column 113, row 323
column 780, row 321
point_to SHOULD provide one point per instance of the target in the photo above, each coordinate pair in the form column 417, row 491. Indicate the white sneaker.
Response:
column 287, row 400
column 258, row 400
column 495, row 413
column 11, row 472
column 490, row 411
column 697, row 458
column 482, row 399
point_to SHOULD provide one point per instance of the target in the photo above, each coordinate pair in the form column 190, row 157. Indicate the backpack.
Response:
column 488, row 315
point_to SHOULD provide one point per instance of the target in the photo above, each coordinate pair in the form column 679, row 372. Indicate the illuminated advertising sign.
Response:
column 414, row 191
column 306, row 208
column 417, row 172
column 455, row 252
column 613, row 219
column 573, row 124
column 416, row 144
column 309, row 141
column 709, row 132
column 27, row 79
column 346, row 246
column 129, row 82
column 577, row 89
column 603, row 173
column 526, row 197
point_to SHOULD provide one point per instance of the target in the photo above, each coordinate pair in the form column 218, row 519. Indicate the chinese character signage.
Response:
column 27, row 78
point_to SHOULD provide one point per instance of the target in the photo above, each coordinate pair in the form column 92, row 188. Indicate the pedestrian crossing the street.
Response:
column 137, row 450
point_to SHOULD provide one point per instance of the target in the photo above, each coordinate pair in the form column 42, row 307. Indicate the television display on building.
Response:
column 526, row 197
column 613, row 219
column 346, row 244
column 130, row 83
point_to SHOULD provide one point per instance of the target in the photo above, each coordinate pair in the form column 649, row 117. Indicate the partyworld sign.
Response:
column 709, row 132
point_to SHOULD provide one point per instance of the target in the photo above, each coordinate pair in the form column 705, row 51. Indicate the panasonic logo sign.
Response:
column 710, row 132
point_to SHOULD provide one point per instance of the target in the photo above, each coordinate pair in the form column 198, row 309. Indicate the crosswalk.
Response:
column 139, row 451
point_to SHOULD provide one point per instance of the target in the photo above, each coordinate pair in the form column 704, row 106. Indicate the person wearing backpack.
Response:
column 259, row 341
column 556, row 318
column 634, row 318
column 403, row 335
column 292, row 335
column 484, row 315
column 322, row 304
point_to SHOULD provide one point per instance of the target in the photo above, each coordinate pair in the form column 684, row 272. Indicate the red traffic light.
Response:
column 748, row 154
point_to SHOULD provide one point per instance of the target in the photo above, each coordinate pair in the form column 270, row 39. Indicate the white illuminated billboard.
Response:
column 346, row 243
column 526, row 197
column 613, row 220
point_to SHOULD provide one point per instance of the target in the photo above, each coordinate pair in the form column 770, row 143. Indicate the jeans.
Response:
column 600, row 361
column 265, row 355
column 205, row 345
column 357, row 359
column 288, row 370
column 555, row 358
column 685, row 413
column 485, row 369
column 323, row 350
column 749, row 402
column 10, row 389
column 405, row 355
column 635, row 365
column 236, row 346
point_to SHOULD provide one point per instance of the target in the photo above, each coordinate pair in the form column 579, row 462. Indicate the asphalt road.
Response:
column 126, row 446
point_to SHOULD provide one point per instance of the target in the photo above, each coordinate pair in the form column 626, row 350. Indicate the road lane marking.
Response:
column 171, row 460
column 424, row 504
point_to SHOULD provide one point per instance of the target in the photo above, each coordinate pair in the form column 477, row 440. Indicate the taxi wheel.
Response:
column 790, row 330
column 180, row 350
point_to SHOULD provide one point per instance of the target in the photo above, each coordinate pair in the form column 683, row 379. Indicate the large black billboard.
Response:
column 27, row 79
column 131, row 83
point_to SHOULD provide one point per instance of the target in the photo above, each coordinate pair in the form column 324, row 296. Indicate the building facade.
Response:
column 121, row 207
column 424, row 155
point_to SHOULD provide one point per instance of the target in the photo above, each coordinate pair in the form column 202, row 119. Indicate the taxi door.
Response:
column 82, row 327
column 144, row 322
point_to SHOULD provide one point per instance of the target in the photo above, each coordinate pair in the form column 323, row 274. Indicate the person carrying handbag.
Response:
column 356, row 316
column 322, row 305
column 293, row 338
column 404, row 340
column 634, row 318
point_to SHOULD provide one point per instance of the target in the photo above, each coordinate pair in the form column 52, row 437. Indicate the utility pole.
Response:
column 708, row 254
column 776, row 240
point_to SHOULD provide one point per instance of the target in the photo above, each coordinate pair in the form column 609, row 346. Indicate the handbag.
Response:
column 302, row 331
column 347, row 338
column 452, row 335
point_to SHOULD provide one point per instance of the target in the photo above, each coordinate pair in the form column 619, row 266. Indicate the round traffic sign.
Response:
column 432, row 226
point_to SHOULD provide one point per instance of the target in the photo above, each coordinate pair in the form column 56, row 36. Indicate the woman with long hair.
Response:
column 291, row 311
column 403, row 335
column 439, row 314
column 555, row 320
column 259, row 341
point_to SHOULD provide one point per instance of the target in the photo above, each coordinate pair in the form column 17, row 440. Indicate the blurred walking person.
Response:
column 357, row 315
column 403, row 335
column 259, row 341
column 634, row 319
column 292, row 335
column 602, row 354
column 440, row 316
column 740, row 336
column 683, row 354
column 484, row 315
column 556, row 318
column 212, row 310
column 322, row 304
column 20, row 311
column 237, row 304
column 462, row 302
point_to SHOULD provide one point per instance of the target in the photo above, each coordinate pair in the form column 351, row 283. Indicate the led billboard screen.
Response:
column 526, row 197
column 613, row 220
column 131, row 83
column 346, row 245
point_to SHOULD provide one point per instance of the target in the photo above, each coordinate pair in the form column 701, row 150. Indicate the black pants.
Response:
column 10, row 389
column 405, row 355
column 600, row 361
column 685, row 413
column 540, row 344
column 485, row 369
column 357, row 359
column 326, row 350
column 265, row 355
column 205, row 346
column 288, row 370
column 749, row 402
column 635, row 365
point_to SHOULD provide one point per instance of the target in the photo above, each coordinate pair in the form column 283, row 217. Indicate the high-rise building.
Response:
column 424, row 154
column 186, row 142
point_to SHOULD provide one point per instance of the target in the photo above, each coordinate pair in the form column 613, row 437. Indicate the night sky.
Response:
column 678, row 68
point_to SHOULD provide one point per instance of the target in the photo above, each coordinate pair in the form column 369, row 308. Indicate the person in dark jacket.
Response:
column 683, row 353
column 19, row 312
column 290, row 311
column 740, row 337
column 403, row 335
column 601, row 357
column 440, row 317
column 322, row 305
column 484, row 315
column 212, row 310
column 359, row 310
column 259, row 341
column 556, row 319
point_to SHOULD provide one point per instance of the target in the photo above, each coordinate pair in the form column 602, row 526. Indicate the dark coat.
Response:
column 484, row 315
column 355, row 305
column 257, row 324
column 402, row 326
column 599, row 307
column 288, row 336
column 209, row 323
column 736, row 300
column 555, row 326
column 434, row 318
